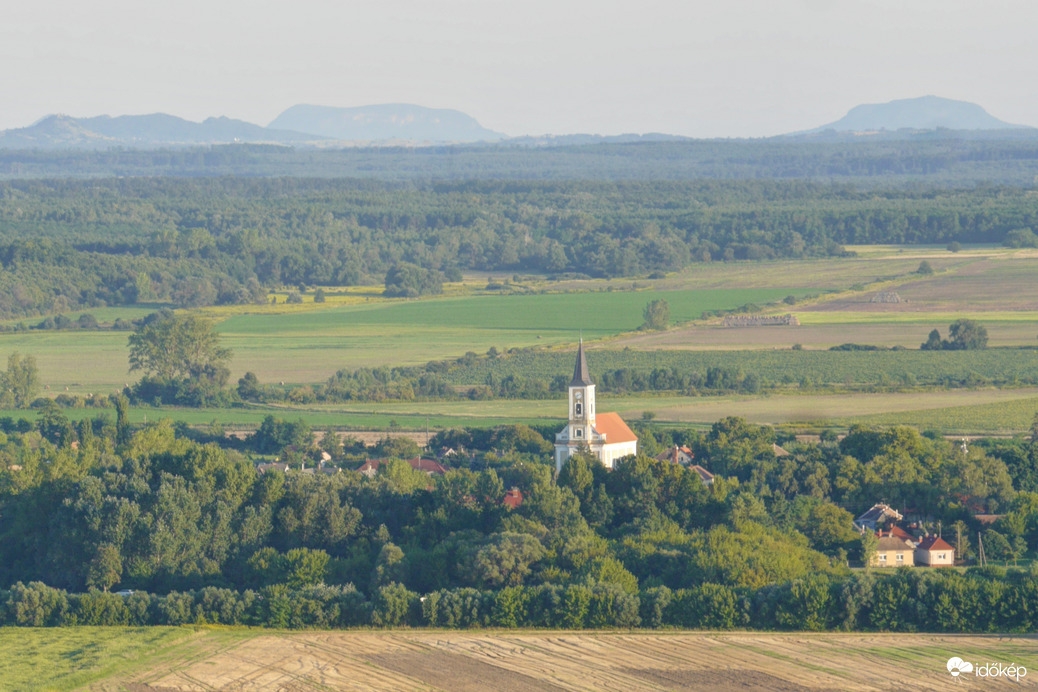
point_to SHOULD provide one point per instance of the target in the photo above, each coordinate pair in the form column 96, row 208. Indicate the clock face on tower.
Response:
column 577, row 395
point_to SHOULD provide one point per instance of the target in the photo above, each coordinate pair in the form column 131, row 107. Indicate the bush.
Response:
column 393, row 605
column 1020, row 238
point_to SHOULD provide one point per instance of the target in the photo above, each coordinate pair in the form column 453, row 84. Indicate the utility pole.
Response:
column 980, row 550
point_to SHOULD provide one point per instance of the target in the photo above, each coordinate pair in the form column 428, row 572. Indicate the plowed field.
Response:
column 535, row 661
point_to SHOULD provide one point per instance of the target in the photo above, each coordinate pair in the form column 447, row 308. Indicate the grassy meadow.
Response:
column 68, row 658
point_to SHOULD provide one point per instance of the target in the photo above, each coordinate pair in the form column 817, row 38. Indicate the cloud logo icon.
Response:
column 956, row 665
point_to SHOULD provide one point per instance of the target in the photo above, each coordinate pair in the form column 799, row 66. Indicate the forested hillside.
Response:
column 767, row 545
column 66, row 245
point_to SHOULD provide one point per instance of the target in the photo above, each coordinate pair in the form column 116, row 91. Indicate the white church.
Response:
column 605, row 434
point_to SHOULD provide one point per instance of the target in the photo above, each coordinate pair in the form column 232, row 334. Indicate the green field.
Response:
column 1011, row 415
column 307, row 343
column 66, row 658
column 958, row 411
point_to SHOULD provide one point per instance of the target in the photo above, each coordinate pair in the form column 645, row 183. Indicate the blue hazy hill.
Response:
column 388, row 121
column 923, row 113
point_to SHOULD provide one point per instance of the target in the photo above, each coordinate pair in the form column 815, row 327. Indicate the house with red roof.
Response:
column 898, row 532
column 677, row 455
column 603, row 434
column 934, row 551
column 513, row 498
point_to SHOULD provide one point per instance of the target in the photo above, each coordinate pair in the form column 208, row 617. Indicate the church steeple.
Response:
column 610, row 442
column 581, row 400
column 580, row 375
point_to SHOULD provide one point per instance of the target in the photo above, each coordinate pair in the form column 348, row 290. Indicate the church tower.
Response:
column 581, row 401
column 604, row 435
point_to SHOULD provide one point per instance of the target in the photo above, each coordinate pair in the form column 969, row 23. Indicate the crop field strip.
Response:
column 308, row 346
column 307, row 343
column 553, row 660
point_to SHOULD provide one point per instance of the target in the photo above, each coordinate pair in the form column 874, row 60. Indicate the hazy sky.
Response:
column 707, row 69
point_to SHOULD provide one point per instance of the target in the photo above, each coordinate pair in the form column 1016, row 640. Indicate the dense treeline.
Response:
column 981, row 600
column 66, row 245
column 535, row 374
column 945, row 157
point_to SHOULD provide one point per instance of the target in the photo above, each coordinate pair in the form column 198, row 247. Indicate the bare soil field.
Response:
column 1000, row 291
column 1006, row 283
column 622, row 661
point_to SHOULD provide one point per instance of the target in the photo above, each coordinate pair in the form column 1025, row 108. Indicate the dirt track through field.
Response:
column 552, row 661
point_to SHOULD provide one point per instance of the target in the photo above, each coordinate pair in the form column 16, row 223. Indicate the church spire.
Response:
column 580, row 375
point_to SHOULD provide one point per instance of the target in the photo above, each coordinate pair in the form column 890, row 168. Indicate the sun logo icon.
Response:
column 956, row 665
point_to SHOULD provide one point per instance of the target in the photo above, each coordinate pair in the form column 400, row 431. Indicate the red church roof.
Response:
column 613, row 427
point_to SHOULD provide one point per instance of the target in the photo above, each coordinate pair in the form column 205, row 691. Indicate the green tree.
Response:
column 967, row 335
column 406, row 280
column 933, row 342
column 924, row 268
column 505, row 559
column 304, row 567
column 389, row 565
column 106, row 569
column 656, row 314
column 179, row 347
column 392, row 605
column 20, row 383
column 1021, row 237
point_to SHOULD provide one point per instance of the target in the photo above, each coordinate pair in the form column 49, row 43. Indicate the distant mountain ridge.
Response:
column 386, row 121
column 398, row 124
column 923, row 113
column 299, row 125
column 145, row 131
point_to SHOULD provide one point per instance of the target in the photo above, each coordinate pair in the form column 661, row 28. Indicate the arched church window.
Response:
column 578, row 408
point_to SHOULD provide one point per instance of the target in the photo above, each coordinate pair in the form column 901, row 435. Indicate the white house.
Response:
column 604, row 434
column 934, row 552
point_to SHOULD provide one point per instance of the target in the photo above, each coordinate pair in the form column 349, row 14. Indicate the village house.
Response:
column 933, row 551
column 603, row 434
column 683, row 456
column 677, row 455
column 513, row 498
column 704, row 475
column 878, row 515
column 892, row 551
column 898, row 532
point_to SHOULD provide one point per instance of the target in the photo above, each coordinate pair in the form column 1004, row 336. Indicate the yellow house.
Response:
column 892, row 551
